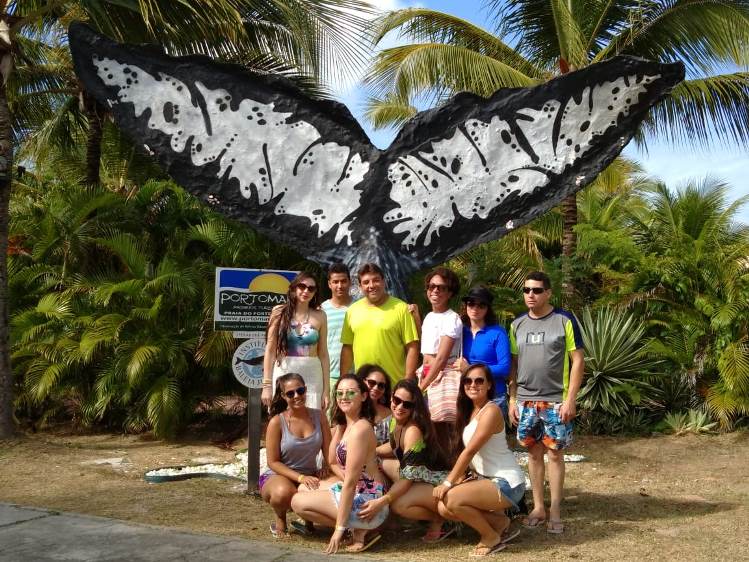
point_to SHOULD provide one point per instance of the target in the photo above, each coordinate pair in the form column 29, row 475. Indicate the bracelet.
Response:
column 340, row 527
column 447, row 484
column 267, row 383
column 300, row 478
column 388, row 498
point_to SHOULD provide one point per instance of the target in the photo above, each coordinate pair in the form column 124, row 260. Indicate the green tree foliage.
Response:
column 115, row 302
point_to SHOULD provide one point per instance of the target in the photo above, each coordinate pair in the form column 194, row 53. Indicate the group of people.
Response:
column 415, row 422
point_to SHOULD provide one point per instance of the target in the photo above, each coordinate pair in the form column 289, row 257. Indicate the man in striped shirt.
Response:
column 339, row 282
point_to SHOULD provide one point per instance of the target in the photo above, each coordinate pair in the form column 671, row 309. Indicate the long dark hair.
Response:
column 287, row 313
column 279, row 404
column 490, row 319
column 465, row 404
column 369, row 368
column 438, row 458
column 367, row 406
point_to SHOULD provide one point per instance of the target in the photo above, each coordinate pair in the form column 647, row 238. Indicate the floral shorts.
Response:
column 539, row 422
column 375, row 490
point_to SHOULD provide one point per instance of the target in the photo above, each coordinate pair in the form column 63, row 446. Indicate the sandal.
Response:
column 276, row 533
column 488, row 550
column 355, row 549
column 509, row 535
column 555, row 527
column 439, row 535
column 304, row 528
column 533, row 522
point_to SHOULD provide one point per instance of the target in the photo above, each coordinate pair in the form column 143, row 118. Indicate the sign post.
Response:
column 243, row 302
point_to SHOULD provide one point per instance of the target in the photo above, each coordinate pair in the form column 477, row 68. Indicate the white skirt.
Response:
column 311, row 370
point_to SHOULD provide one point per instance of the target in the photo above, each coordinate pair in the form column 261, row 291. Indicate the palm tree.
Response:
column 295, row 36
column 552, row 37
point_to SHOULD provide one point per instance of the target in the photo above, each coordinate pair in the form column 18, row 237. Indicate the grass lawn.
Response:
column 659, row 498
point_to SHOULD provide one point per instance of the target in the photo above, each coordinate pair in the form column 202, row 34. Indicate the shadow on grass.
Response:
column 589, row 518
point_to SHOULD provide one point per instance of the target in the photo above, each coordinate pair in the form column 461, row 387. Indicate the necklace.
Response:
column 297, row 322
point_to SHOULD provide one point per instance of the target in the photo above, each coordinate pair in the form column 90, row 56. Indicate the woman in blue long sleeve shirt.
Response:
column 485, row 341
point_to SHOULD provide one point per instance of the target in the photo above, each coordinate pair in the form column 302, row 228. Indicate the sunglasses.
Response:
column 477, row 304
column 301, row 391
column 438, row 288
column 347, row 394
column 305, row 287
column 407, row 404
column 534, row 290
column 374, row 384
column 478, row 381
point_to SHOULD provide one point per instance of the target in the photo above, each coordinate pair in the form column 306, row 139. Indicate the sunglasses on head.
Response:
column 478, row 381
column 347, row 394
column 438, row 288
column 407, row 404
column 304, row 287
column 374, row 384
column 534, row 290
column 301, row 391
column 477, row 304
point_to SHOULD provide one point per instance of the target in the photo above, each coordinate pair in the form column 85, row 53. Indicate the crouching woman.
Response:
column 421, row 464
column 293, row 440
column 353, row 447
column 496, row 482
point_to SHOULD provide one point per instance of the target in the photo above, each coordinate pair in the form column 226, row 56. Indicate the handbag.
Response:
column 443, row 393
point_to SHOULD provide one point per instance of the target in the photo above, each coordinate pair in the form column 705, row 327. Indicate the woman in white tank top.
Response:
column 496, row 482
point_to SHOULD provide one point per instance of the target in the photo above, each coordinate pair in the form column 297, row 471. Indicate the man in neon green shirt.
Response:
column 379, row 329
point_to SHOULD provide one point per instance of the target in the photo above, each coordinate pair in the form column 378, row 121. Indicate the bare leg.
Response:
column 536, row 471
column 470, row 503
column 391, row 468
column 278, row 492
column 556, row 483
column 317, row 506
column 419, row 504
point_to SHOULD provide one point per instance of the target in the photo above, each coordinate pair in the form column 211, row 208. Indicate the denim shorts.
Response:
column 539, row 422
column 513, row 495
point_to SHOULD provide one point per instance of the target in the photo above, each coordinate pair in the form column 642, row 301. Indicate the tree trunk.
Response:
column 7, row 427
column 94, row 114
column 569, row 246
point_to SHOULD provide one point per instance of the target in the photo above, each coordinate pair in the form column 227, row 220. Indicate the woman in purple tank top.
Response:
column 294, row 439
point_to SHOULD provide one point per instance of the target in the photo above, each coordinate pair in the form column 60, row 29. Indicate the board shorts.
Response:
column 539, row 422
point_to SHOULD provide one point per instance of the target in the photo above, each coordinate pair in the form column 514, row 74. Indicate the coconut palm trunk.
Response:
column 94, row 115
column 7, row 428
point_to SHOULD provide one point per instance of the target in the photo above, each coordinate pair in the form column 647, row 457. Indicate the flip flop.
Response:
column 276, row 533
column 432, row 537
column 492, row 550
column 301, row 527
column 533, row 522
column 365, row 546
column 555, row 527
column 509, row 535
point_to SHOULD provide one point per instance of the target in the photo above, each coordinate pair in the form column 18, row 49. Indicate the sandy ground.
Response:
column 659, row 498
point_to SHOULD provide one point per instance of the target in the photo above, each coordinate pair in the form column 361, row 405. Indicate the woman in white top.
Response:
column 496, row 482
column 441, row 334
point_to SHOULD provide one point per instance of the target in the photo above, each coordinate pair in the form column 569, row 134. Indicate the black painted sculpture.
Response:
column 303, row 172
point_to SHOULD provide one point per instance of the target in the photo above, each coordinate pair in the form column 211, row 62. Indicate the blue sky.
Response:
column 673, row 165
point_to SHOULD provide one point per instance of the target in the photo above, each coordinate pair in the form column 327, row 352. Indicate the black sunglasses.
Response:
column 438, row 288
column 301, row 391
column 478, row 381
column 477, row 304
column 305, row 287
column 407, row 404
column 373, row 383
column 534, row 290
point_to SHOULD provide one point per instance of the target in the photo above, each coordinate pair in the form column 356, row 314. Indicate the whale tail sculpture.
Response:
column 303, row 172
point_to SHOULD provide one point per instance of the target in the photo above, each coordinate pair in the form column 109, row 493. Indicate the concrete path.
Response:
column 31, row 535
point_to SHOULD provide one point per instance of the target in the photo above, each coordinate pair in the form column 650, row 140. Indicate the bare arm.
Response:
column 439, row 361
column 270, row 356
column 412, row 359
column 577, row 369
column 512, row 387
column 322, row 353
column 489, row 423
column 359, row 445
column 347, row 359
